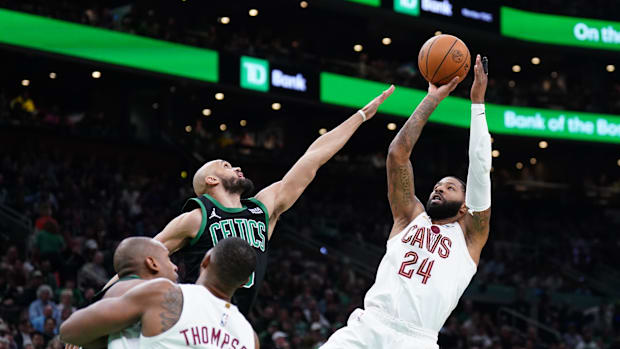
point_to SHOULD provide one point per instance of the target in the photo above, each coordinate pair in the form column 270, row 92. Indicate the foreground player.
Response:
column 136, row 260
column 174, row 316
column 218, row 212
column 431, row 254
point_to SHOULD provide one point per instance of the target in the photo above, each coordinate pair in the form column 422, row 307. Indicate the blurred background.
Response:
column 108, row 107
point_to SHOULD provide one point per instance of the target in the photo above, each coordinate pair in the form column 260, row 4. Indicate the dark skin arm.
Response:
column 404, row 204
column 477, row 224
column 157, row 303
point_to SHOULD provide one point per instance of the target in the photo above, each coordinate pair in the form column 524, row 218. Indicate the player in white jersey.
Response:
column 178, row 316
column 433, row 251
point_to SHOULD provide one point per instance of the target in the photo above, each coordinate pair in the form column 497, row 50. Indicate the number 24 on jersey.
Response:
column 408, row 266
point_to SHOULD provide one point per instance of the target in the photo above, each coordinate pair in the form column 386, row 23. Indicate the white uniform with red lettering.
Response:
column 206, row 322
column 424, row 272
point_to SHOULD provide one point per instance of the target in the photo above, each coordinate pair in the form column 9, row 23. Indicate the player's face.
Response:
column 446, row 199
column 167, row 269
column 233, row 180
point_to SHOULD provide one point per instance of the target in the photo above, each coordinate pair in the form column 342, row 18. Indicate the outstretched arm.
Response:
column 478, row 192
column 156, row 303
column 176, row 234
column 281, row 195
column 401, row 195
column 102, row 318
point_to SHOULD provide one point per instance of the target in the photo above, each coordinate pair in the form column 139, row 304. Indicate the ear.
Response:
column 211, row 180
column 463, row 210
column 207, row 260
column 151, row 265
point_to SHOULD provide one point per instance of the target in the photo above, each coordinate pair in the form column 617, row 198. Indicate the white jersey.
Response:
column 128, row 338
column 206, row 322
column 424, row 272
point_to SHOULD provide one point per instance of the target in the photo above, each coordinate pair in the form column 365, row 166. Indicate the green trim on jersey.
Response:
column 129, row 277
column 262, row 206
column 221, row 207
column 203, row 223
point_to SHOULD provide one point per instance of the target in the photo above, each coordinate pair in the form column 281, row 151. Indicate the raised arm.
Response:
column 177, row 233
column 401, row 194
column 155, row 303
column 180, row 230
column 478, row 191
column 281, row 195
column 104, row 317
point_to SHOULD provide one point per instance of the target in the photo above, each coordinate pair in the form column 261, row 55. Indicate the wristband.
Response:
column 362, row 114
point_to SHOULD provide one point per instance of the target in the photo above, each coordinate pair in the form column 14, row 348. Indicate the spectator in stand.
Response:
column 45, row 216
column 588, row 341
column 40, row 322
column 50, row 329
column 66, row 300
column 38, row 341
column 92, row 274
column 37, row 307
column 24, row 331
column 49, row 242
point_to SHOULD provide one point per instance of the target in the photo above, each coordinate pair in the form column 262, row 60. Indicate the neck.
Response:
column 445, row 220
column 214, row 289
column 227, row 199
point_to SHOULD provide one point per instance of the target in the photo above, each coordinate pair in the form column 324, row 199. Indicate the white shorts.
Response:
column 374, row 329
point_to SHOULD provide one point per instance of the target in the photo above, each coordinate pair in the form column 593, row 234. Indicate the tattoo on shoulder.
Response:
column 173, row 306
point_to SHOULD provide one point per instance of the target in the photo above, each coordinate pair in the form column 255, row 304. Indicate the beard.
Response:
column 443, row 210
column 238, row 185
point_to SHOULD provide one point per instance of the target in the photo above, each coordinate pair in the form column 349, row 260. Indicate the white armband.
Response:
column 478, row 192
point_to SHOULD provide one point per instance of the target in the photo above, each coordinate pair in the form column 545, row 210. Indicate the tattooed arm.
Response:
column 158, row 303
column 401, row 195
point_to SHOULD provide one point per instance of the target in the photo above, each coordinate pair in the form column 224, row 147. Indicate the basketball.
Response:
column 443, row 57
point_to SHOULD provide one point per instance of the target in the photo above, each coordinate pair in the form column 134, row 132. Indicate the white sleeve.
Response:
column 478, row 192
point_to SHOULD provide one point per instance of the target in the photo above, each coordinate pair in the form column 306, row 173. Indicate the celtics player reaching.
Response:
column 432, row 251
column 219, row 210
column 178, row 316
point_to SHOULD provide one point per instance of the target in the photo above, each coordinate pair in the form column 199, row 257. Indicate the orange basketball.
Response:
column 443, row 57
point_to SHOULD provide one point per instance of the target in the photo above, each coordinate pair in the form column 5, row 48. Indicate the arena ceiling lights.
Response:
column 102, row 45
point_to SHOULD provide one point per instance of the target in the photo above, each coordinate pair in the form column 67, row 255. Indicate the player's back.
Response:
column 424, row 272
column 206, row 322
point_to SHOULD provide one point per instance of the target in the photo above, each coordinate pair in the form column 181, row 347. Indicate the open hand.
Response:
column 479, row 87
column 371, row 108
column 443, row 91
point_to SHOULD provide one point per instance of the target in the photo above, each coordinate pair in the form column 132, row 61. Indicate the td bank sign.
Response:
column 255, row 75
column 408, row 7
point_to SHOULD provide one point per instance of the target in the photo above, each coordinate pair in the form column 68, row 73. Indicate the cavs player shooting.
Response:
column 432, row 252
column 219, row 212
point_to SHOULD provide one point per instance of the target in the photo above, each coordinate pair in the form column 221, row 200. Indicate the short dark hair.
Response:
column 234, row 260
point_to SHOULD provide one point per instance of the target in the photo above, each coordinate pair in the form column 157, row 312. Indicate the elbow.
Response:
column 397, row 154
column 67, row 335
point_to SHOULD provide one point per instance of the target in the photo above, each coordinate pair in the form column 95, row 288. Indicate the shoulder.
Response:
column 153, row 289
column 193, row 217
column 121, row 287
